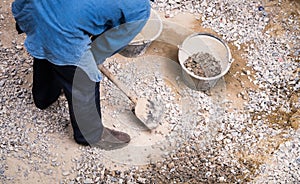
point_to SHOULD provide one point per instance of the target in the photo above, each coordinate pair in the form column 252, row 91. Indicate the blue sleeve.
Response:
column 116, row 38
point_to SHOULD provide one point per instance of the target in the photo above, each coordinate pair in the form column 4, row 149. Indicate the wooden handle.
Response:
column 119, row 84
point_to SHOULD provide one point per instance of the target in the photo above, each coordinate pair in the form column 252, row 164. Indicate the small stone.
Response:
column 222, row 179
column 142, row 180
column 19, row 47
column 88, row 181
column 113, row 179
column 261, row 8
column 298, row 161
column 97, row 179
column 2, row 83
column 65, row 173
column 171, row 165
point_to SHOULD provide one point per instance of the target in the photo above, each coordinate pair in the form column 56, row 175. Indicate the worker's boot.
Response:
column 111, row 139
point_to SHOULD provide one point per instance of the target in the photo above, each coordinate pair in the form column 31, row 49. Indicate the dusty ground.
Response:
column 63, row 146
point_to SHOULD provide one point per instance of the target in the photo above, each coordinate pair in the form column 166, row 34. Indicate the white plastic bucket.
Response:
column 150, row 32
column 207, row 43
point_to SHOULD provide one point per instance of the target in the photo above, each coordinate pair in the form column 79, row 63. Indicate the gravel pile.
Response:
column 276, row 74
column 284, row 165
column 25, row 130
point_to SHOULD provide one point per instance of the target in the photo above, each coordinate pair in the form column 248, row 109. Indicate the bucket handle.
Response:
column 140, row 42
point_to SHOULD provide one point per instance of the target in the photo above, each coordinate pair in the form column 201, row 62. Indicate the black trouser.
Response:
column 82, row 95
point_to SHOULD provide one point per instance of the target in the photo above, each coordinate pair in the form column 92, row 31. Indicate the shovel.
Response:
column 145, row 110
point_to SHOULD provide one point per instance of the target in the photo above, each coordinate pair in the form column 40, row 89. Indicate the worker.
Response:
column 67, row 40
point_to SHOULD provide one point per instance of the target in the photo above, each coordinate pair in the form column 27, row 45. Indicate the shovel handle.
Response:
column 119, row 84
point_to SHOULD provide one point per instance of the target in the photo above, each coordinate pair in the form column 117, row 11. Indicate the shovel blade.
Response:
column 147, row 113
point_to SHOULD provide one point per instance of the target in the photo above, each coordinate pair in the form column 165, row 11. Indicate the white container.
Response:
column 150, row 32
column 207, row 43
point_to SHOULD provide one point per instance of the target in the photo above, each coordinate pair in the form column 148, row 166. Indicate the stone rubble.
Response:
column 203, row 65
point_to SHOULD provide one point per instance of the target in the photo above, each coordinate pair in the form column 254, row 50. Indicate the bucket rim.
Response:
column 157, row 17
column 229, row 57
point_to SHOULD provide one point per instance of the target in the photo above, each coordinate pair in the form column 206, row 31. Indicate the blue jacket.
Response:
column 60, row 30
